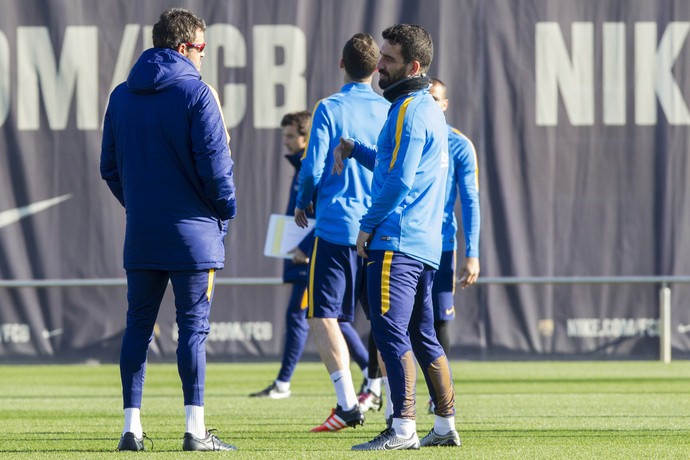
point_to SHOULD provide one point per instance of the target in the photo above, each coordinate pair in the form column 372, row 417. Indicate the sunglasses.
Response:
column 197, row 46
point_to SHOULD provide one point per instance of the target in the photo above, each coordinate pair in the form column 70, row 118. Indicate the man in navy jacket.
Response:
column 165, row 157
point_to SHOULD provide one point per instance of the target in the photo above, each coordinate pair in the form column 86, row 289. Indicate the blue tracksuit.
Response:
column 463, row 180
column 410, row 164
column 165, row 157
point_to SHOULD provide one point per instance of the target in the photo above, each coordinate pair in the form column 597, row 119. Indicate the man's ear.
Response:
column 182, row 49
column 415, row 68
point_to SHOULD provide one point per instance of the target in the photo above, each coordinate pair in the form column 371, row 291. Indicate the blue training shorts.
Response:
column 336, row 281
column 443, row 290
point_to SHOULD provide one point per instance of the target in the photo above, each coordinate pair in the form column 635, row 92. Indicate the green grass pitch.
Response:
column 506, row 410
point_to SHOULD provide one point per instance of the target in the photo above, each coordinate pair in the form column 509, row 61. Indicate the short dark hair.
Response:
column 415, row 43
column 360, row 56
column 175, row 26
column 299, row 119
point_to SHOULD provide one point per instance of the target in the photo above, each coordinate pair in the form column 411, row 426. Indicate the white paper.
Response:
column 284, row 235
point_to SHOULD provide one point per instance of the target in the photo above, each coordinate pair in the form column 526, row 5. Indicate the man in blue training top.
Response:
column 463, row 180
column 336, row 274
column 400, row 235
column 165, row 157
column 295, row 128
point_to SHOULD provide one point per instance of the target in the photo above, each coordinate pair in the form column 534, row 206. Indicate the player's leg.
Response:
column 434, row 364
column 145, row 289
column 296, row 332
column 193, row 296
column 443, row 298
column 358, row 352
column 391, row 281
column 369, row 395
column 331, row 298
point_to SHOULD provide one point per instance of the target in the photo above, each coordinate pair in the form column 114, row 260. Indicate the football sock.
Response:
column 444, row 425
column 374, row 385
column 344, row 389
column 388, row 410
column 404, row 427
column 195, row 420
column 282, row 386
column 133, row 422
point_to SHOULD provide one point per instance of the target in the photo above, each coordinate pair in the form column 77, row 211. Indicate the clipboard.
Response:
column 283, row 235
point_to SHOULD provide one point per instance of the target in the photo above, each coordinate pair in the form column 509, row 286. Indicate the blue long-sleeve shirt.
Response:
column 410, row 164
column 463, row 180
column 355, row 111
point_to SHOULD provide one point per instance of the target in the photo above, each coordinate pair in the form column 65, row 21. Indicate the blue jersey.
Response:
column 355, row 111
column 463, row 179
column 410, row 164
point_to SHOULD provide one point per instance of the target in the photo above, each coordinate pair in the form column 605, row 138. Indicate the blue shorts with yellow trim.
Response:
column 336, row 281
column 443, row 291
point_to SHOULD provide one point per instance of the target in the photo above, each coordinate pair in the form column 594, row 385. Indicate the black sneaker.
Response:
column 129, row 441
column 340, row 419
column 272, row 392
column 210, row 442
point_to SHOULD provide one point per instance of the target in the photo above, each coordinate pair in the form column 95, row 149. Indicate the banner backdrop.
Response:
column 578, row 110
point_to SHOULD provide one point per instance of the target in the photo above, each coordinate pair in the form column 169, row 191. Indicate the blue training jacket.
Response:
column 293, row 272
column 410, row 164
column 165, row 157
column 356, row 111
column 463, row 179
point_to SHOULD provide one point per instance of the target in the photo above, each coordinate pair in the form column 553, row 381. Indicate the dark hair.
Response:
column 175, row 26
column 360, row 56
column 299, row 119
column 415, row 43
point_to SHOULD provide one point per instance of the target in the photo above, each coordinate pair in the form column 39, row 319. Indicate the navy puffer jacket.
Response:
column 165, row 157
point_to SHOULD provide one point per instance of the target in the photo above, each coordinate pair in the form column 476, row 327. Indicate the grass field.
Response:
column 512, row 410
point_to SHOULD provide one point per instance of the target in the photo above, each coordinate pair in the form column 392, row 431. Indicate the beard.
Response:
column 386, row 79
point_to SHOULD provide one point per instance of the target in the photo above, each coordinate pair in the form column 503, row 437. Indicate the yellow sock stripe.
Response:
column 310, row 289
column 209, row 288
column 398, row 130
column 386, row 282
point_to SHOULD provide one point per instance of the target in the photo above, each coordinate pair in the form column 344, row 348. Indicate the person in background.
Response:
column 336, row 273
column 295, row 127
column 463, row 180
column 165, row 157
